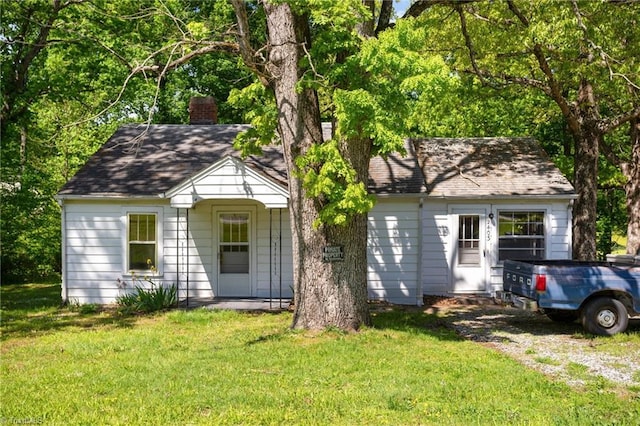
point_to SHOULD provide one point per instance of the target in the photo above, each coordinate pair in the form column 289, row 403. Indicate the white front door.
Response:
column 234, row 254
column 469, row 256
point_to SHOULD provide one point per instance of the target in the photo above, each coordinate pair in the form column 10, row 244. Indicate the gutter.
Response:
column 571, row 196
column 63, row 243
column 106, row 197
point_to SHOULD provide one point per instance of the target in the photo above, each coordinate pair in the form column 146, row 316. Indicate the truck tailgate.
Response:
column 518, row 278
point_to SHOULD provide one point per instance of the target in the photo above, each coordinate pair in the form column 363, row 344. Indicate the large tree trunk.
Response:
column 587, row 141
column 631, row 171
column 325, row 294
column 584, row 207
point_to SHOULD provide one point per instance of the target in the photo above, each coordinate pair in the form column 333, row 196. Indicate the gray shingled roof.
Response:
column 486, row 167
column 141, row 161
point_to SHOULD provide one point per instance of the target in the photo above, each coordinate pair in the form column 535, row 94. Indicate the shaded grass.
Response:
column 32, row 310
column 224, row 367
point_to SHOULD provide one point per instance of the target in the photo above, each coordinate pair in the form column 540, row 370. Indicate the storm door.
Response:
column 234, row 254
column 468, row 274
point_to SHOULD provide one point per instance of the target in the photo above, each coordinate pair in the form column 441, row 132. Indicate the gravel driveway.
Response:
column 561, row 351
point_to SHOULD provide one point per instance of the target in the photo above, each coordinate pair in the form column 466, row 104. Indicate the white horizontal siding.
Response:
column 230, row 180
column 393, row 251
column 94, row 255
column 437, row 239
column 192, row 252
column 274, row 275
column 93, row 252
column 435, row 248
column 560, row 231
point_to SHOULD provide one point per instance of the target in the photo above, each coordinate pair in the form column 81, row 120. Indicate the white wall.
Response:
column 277, row 274
column 436, row 247
column 95, row 250
column 400, row 254
column 393, row 252
column 437, row 239
column 94, row 253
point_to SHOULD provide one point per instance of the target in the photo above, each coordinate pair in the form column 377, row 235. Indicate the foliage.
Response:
column 67, row 83
column 562, row 51
column 225, row 367
column 329, row 178
column 258, row 109
column 147, row 296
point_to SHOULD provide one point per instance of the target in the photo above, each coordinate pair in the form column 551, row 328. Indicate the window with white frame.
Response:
column 142, row 241
column 521, row 235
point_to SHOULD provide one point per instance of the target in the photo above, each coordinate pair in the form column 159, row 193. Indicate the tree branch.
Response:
column 606, row 125
column 554, row 89
column 211, row 46
column 523, row 19
column 418, row 7
column 469, row 44
column 25, row 55
column 365, row 27
column 244, row 44
column 606, row 58
column 385, row 16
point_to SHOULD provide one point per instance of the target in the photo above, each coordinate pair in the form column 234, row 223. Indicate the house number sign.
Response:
column 333, row 254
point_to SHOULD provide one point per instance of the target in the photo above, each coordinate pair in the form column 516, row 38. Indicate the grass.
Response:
column 619, row 243
column 547, row 360
column 65, row 366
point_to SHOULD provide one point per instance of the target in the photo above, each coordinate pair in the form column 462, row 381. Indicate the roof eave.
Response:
column 567, row 196
column 61, row 198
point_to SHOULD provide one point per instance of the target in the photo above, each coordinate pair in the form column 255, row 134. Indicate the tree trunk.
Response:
column 586, row 175
column 631, row 171
column 584, row 207
column 325, row 294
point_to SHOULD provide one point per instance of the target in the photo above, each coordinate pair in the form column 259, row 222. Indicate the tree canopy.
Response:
column 583, row 56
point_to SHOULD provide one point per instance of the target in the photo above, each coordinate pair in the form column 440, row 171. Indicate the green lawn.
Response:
column 73, row 366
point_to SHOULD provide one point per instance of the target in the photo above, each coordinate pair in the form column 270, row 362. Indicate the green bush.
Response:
column 142, row 299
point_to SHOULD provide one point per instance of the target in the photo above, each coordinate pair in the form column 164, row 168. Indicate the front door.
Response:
column 468, row 272
column 234, row 254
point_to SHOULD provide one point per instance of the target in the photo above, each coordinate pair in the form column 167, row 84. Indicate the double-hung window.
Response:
column 142, row 241
column 521, row 235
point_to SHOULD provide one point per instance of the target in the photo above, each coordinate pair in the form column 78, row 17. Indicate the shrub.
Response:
column 155, row 298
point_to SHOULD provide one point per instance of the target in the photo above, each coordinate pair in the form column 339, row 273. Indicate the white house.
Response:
column 447, row 213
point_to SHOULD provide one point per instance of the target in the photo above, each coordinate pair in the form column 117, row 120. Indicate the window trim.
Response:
column 158, row 212
column 524, row 209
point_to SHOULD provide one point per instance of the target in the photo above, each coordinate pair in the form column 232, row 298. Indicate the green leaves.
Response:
column 259, row 109
column 329, row 178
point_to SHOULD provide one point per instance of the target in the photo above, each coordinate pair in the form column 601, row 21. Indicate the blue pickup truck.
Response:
column 602, row 295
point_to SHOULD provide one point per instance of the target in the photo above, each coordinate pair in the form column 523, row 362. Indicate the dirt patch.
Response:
column 562, row 351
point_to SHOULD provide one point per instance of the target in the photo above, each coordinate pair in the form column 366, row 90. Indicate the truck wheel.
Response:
column 605, row 316
column 561, row 315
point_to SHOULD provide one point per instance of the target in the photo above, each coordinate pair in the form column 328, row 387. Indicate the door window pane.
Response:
column 234, row 228
column 469, row 240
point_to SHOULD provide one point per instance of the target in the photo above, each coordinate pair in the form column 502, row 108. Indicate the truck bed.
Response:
column 568, row 283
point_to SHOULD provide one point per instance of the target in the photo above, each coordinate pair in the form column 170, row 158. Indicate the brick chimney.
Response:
column 203, row 110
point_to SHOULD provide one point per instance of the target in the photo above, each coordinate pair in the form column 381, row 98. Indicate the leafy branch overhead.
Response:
column 581, row 55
